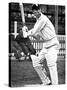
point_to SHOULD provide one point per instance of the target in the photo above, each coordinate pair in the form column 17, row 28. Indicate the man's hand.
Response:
column 25, row 31
column 25, row 28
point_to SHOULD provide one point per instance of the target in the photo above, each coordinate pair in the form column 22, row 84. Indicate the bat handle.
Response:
column 20, row 3
column 23, row 25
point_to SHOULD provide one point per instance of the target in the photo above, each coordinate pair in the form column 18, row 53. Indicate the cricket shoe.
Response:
column 47, row 82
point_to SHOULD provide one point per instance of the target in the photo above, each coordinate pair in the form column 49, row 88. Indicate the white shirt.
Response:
column 45, row 29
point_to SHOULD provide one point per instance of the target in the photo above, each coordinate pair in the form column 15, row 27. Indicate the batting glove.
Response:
column 25, row 29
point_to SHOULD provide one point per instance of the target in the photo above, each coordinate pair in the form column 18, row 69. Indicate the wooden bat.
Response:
column 22, row 13
column 23, row 19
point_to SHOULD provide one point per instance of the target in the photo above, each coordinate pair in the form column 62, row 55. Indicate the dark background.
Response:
column 49, row 10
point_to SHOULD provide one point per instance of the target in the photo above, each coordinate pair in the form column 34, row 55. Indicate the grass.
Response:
column 23, row 73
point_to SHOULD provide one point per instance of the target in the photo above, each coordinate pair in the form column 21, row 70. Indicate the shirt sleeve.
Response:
column 37, row 27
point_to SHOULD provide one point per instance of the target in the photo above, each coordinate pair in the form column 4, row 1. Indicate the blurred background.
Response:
column 21, row 72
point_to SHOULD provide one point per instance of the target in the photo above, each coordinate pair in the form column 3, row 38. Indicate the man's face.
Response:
column 36, row 13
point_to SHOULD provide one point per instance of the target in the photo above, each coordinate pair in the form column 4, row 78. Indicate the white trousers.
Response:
column 51, row 57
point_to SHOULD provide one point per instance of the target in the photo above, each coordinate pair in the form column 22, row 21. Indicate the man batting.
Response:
column 45, row 29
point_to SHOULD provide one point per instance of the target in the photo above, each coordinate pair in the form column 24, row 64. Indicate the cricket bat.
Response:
column 22, row 13
column 23, row 20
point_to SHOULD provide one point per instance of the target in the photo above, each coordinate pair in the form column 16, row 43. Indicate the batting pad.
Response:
column 35, row 61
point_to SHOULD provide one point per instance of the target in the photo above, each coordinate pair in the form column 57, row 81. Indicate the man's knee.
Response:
column 51, row 64
column 51, row 61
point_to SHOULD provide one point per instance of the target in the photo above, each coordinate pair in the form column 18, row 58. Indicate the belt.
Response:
column 50, row 46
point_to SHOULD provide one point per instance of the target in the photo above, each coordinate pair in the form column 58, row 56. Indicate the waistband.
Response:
column 50, row 43
column 50, row 46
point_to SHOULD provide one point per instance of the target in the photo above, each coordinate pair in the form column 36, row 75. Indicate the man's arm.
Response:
column 37, row 28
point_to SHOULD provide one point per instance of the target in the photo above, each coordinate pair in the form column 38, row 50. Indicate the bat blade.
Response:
column 22, row 13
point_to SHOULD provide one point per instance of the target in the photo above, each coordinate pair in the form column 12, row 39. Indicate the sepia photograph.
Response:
column 37, row 44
